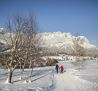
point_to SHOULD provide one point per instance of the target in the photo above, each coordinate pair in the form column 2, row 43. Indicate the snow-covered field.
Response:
column 41, row 79
column 78, row 77
column 81, row 76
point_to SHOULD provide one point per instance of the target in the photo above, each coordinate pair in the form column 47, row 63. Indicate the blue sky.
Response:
column 74, row 16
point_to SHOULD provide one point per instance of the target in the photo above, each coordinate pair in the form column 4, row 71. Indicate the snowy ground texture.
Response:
column 79, row 76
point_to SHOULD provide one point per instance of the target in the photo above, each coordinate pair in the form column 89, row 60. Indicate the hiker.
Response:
column 57, row 68
column 62, row 69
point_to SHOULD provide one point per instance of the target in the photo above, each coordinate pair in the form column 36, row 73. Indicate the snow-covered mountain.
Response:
column 55, row 41
column 59, row 39
column 5, row 37
column 64, row 42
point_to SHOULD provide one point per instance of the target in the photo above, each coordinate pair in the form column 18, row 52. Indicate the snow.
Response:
column 55, row 42
column 59, row 39
column 77, row 80
column 5, row 37
column 80, row 77
column 69, row 82
column 41, row 79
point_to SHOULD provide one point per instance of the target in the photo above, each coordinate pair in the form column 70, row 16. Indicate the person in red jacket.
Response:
column 62, row 69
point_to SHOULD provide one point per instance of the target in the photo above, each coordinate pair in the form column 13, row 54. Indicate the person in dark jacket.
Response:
column 57, row 68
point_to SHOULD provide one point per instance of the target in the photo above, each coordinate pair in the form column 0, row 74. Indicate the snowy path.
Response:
column 69, row 82
column 46, row 79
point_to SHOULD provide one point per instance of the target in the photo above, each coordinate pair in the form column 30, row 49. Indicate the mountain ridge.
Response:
column 56, row 41
column 67, row 38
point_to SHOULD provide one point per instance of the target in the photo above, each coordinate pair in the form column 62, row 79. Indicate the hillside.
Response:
column 65, row 42
column 59, row 42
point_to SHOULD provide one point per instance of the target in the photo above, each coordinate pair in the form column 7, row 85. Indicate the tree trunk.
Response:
column 23, row 67
column 10, row 76
column 20, row 66
column 31, row 72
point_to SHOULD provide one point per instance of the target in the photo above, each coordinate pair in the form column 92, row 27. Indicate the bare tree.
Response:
column 24, row 44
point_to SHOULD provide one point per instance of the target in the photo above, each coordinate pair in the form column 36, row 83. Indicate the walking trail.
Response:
column 69, row 82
